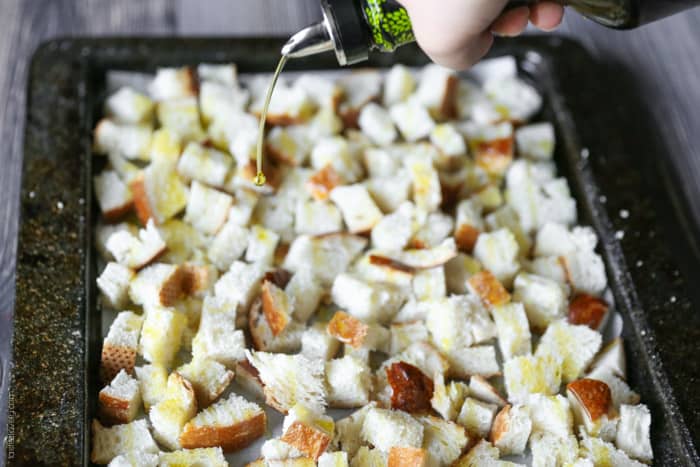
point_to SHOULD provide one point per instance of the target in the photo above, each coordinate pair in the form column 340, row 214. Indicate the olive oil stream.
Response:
column 260, row 177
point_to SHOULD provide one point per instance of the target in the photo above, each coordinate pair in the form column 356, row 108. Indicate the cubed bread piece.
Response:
column 478, row 360
column 290, row 379
column 211, row 457
column 360, row 88
column 448, row 140
column 348, row 429
column 376, row 267
column 113, row 195
column 306, row 293
column 170, row 83
column 218, row 101
column 326, row 256
column 376, row 123
column 131, row 141
column 448, row 399
column 505, row 216
column 489, row 289
column 114, row 284
column 611, row 359
column 184, row 242
column 345, row 160
column 491, row 146
column 177, row 407
column 244, row 204
column 159, row 194
column 382, row 162
column 159, row 284
column 406, row 333
column 385, row 429
column 121, row 400
column 317, row 218
column 548, row 449
column 457, row 322
column 367, row 457
column 161, row 335
column 129, row 106
column 514, row 337
column 240, row 284
column 222, row 73
column 411, row 389
column 511, row 429
column 469, row 224
column 602, row 453
column 544, row 299
column 308, row 431
column 317, row 343
column 287, row 341
column 480, row 388
column 322, row 182
column 289, row 105
column 399, row 84
column 104, row 231
column 428, row 258
column 412, row 119
column 408, row 457
column 248, row 378
column 477, row 417
column 589, row 310
column 135, row 459
column 444, row 440
column 153, row 381
column 483, row 455
column 204, row 164
column 574, row 345
column 515, row 99
column 591, row 403
column 165, row 150
column 394, row 231
column 108, row 443
column 290, row 145
column 209, row 379
column 228, row 245
column 181, row 116
column 530, row 374
column 277, row 307
column 217, row 337
column 352, row 331
column 207, row 208
column 120, row 346
column 633, row 432
column 325, row 92
column 550, row 414
column 437, row 91
column 498, row 252
column 429, row 284
column 360, row 213
column 389, row 192
column 427, row 192
column 536, row 141
column 369, row 302
column 458, row 270
column 231, row 423
column 348, row 381
column 620, row 391
column 136, row 252
column 436, row 228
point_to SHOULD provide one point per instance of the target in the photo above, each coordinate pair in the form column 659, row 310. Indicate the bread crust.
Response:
column 593, row 395
column 113, row 410
column 494, row 156
column 276, row 317
column 230, row 438
column 389, row 263
column 411, row 389
column 116, row 214
column 500, row 424
column 142, row 205
column 116, row 358
column 348, row 329
column 322, row 182
column 489, row 289
column 400, row 456
column 465, row 238
column 587, row 309
column 309, row 440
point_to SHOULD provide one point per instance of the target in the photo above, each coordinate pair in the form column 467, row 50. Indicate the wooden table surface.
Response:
column 664, row 54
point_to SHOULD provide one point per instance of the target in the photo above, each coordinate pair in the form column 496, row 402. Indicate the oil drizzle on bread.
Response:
column 260, row 177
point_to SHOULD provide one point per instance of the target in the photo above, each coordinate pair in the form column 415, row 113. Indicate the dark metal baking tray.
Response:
column 651, row 255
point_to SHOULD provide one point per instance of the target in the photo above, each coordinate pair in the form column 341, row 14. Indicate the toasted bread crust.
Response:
column 594, row 396
column 246, row 371
column 142, row 206
column 255, row 314
column 113, row 410
column 411, row 389
column 587, row 309
column 322, row 182
column 175, row 286
column 407, row 457
column 392, row 264
column 494, row 156
column 196, row 279
column 307, row 439
column 279, row 277
column 500, row 424
column 116, row 214
column 230, row 438
column 489, row 289
column 116, row 358
column 276, row 317
column 465, row 237
column 347, row 329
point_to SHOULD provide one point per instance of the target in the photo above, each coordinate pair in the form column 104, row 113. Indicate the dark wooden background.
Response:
column 665, row 57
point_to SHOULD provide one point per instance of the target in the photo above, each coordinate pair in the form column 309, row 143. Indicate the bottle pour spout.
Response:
column 312, row 40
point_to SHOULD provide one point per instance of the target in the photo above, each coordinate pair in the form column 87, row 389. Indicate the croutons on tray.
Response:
column 414, row 262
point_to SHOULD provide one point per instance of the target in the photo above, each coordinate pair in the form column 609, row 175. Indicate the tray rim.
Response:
column 86, row 51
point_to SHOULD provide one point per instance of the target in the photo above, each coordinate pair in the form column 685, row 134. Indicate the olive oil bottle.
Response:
column 355, row 27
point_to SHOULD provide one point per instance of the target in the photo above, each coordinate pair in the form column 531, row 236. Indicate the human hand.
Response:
column 457, row 33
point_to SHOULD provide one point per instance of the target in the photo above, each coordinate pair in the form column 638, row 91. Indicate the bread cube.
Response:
column 495, row 68
column 240, row 284
column 360, row 88
column 153, row 381
column 181, row 116
column 290, row 379
column 498, row 252
column 159, row 194
column 218, row 101
column 306, row 293
column 367, row 457
column 217, row 337
column 411, row 389
column 159, row 284
column 574, row 345
column 161, row 335
column 549, row 449
column 376, row 123
column 611, row 359
column 208, row 377
column 228, row 245
column 289, row 104
column 514, row 98
column 448, row 140
column 341, row 156
column 348, row 430
column 360, row 213
column 213, row 457
column 399, row 84
column 491, row 145
column 369, row 302
column 121, row 400
column 170, row 83
column 458, row 270
column 544, row 299
column 472, row 104
column 633, row 432
column 204, row 164
column 511, row 429
column 113, row 195
column 114, row 284
column 530, row 374
column 136, row 252
column 513, row 330
column 468, row 225
column 317, row 218
column 437, row 91
column 448, row 399
column 317, row 343
column 506, row 217
column 333, row 459
column 290, row 145
column 177, row 407
column 325, row 256
column 385, row 429
column 131, row 141
column 351, row 331
column 429, row 284
column 601, row 452
column 480, row 388
column 325, row 93
column 457, row 322
column 412, row 119
column 427, row 192
column 207, row 208
column 444, row 440
column 307, row 431
column 483, row 454
column 478, row 360
column 620, row 391
column 135, row 459
column 536, row 141
column 434, row 231
column 287, row 341
column 108, row 443
column 477, row 417
column 321, row 183
column 390, row 192
column 120, row 346
column 550, row 414
column 591, row 403
column 394, row 231
column 485, row 285
column 129, row 106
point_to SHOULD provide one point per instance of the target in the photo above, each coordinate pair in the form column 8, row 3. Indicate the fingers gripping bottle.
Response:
column 353, row 28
